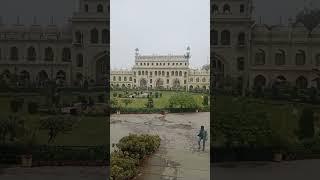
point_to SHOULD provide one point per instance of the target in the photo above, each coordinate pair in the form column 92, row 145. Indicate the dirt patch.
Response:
column 180, row 126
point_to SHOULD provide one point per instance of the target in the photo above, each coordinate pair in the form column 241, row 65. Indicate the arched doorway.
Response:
column 159, row 83
column 42, row 77
column 143, row 84
column 176, row 84
column 302, row 82
column 218, row 67
column 259, row 81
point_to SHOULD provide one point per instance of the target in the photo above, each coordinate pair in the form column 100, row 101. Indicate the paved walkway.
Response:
column 178, row 156
column 54, row 173
column 292, row 170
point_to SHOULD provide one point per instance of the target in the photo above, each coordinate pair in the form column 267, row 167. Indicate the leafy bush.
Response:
column 139, row 145
column 16, row 104
column 101, row 98
column 33, row 107
column 123, row 166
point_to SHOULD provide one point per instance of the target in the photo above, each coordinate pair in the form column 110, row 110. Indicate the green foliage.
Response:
column 123, row 166
column 57, row 124
column 309, row 17
column 306, row 124
column 33, row 107
column 132, row 148
column 138, row 146
column 182, row 100
column 127, row 101
column 205, row 101
column 16, row 104
column 11, row 128
column 101, row 98
column 244, row 126
column 150, row 103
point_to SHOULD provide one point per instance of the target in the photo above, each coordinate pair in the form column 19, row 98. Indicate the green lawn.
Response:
column 284, row 115
column 161, row 102
column 88, row 131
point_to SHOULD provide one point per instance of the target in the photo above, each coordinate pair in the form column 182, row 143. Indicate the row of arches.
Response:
column 226, row 8
column 32, row 55
column 160, row 73
column 161, row 64
column 94, row 36
column 261, row 81
column 225, row 38
column 280, row 57
column 198, row 80
column 49, row 55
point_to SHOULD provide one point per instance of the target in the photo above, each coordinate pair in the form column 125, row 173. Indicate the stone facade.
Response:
column 161, row 72
column 258, row 54
column 75, row 53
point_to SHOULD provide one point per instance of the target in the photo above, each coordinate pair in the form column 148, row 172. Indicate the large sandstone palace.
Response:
column 258, row 54
column 73, row 54
column 161, row 72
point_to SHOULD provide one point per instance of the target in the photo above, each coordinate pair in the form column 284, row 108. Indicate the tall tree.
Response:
column 309, row 17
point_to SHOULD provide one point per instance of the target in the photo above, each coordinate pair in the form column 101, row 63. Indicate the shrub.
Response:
column 115, row 94
column 306, row 123
column 138, row 146
column 33, row 107
column 16, row 105
column 123, row 166
column 101, row 98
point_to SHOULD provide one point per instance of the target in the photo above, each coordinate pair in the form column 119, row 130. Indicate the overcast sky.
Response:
column 159, row 27
column 153, row 26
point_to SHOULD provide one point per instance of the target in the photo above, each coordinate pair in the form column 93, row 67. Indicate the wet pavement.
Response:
column 291, row 170
column 54, row 173
column 178, row 156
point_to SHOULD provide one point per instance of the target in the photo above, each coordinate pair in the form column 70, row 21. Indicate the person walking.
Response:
column 202, row 136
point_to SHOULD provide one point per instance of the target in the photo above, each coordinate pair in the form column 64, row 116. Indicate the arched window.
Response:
column 197, row 79
column 14, row 53
column 86, row 8
column 78, row 37
column 203, row 79
column 259, row 81
column 215, row 9
column 119, row 78
column 125, row 78
column 241, row 8
column 214, row 37
column 280, row 57
column 139, row 73
column 114, row 78
column 172, row 73
column 31, row 53
column 180, row 73
column 79, row 60
column 240, row 63
column 241, row 38
column 48, row 54
column 300, row 58
column 130, row 78
column 301, row 82
column 168, row 74
column 176, row 73
column 100, row 8
column 318, row 60
column 105, row 36
column 260, row 57
column 66, row 54
column 225, row 37
column 94, row 36
column 226, row 8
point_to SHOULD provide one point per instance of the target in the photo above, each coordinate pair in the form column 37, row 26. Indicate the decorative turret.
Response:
column 137, row 51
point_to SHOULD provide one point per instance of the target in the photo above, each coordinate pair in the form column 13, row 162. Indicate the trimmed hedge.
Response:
column 131, row 151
